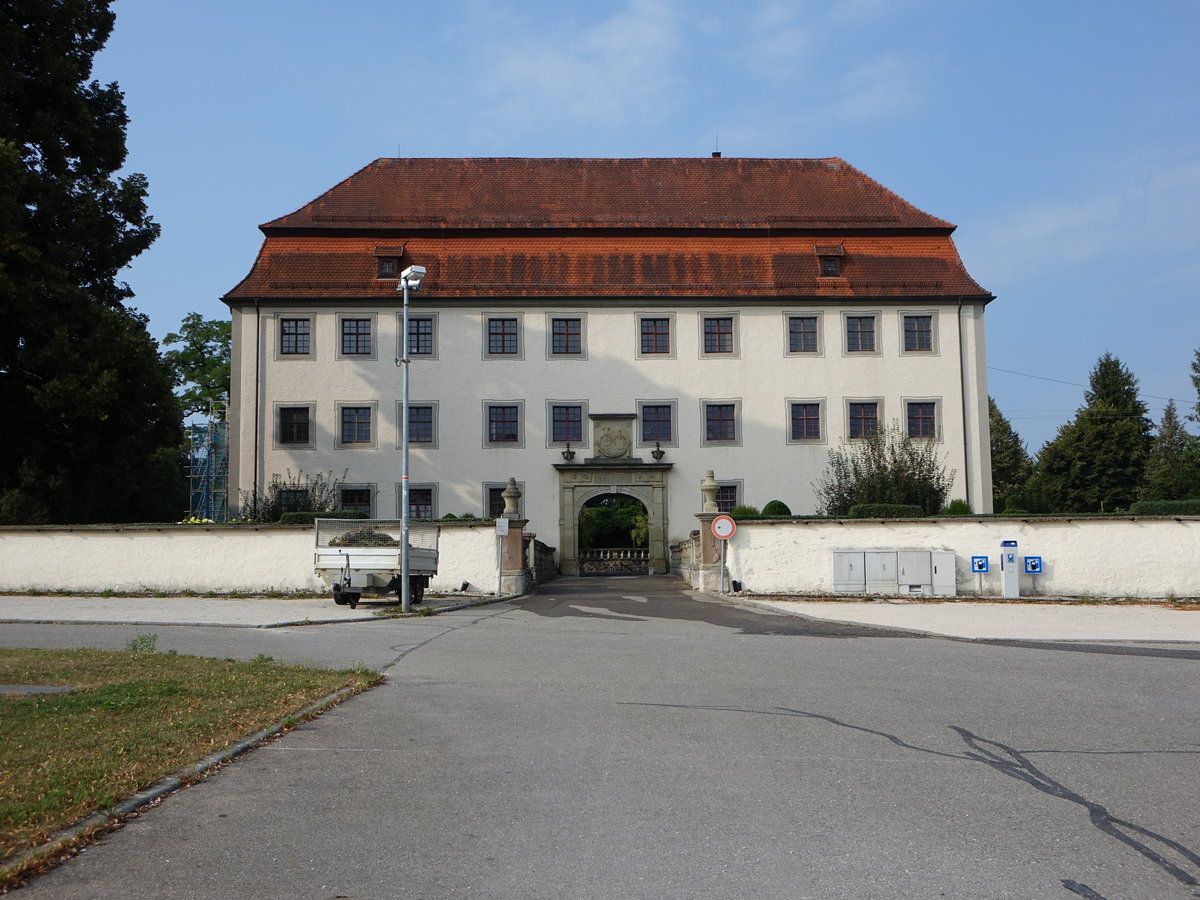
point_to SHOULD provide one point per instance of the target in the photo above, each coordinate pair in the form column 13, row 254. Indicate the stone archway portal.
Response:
column 614, row 470
column 645, row 482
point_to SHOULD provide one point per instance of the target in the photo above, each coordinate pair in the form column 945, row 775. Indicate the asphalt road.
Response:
column 621, row 738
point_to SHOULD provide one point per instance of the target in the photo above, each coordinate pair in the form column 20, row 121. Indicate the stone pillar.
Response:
column 709, row 575
column 515, row 577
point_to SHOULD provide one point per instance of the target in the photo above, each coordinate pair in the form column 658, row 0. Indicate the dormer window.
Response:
column 830, row 256
column 387, row 261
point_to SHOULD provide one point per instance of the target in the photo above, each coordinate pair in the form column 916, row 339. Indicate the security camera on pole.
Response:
column 410, row 280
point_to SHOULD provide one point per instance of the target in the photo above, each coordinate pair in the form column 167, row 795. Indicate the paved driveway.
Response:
column 622, row 738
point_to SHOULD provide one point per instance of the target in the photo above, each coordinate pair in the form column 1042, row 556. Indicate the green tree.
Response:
column 1195, row 415
column 887, row 467
column 99, row 431
column 1173, row 466
column 1097, row 461
column 1011, row 465
column 201, row 365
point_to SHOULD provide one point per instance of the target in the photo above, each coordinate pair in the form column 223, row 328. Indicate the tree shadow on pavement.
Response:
column 1173, row 858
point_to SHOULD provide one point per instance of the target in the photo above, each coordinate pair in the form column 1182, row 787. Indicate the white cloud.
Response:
column 884, row 88
column 619, row 71
column 1154, row 214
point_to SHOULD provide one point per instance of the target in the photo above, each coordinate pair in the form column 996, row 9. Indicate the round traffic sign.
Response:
column 723, row 527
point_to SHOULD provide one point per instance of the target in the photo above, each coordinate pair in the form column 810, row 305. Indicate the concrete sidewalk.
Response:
column 233, row 612
column 1043, row 621
column 991, row 621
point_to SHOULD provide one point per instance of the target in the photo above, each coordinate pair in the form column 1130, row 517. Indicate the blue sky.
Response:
column 1062, row 137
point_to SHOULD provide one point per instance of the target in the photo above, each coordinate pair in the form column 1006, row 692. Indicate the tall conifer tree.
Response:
column 1011, row 466
column 1097, row 461
column 95, row 429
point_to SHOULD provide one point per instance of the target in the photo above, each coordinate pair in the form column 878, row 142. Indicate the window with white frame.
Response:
column 922, row 418
column 862, row 418
column 918, row 333
column 803, row 334
column 567, row 339
column 657, row 422
column 721, row 426
column 295, row 336
column 655, row 335
column 860, row 334
column 502, row 424
column 565, row 421
column 502, row 337
column 718, row 335
column 805, row 421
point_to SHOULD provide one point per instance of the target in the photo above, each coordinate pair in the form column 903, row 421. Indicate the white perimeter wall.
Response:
column 200, row 558
column 1150, row 558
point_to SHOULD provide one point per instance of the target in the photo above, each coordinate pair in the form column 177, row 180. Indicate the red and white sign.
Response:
column 723, row 527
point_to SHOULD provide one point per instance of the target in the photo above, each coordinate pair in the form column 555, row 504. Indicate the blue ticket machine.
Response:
column 1010, row 571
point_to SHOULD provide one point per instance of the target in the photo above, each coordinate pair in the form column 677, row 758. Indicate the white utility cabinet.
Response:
column 903, row 571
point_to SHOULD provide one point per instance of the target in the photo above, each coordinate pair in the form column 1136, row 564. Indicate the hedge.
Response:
column 307, row 517
column 1166, row 507
column 886, row 511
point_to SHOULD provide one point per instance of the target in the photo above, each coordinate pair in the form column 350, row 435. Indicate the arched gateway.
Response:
column 614, row 470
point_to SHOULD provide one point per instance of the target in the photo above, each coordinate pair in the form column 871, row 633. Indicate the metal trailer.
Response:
column 357, row 556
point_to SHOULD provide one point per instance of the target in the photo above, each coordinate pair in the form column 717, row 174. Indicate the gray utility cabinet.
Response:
column 926, row 572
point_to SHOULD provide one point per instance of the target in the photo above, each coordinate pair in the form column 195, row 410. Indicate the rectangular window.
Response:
column 293, row 500
column 802, row 334
column 656, row 335
column 727, row 498
column 389, row 267
column 356, row 500
column 566, row 337
column 420, row 336
column 495, row 502
column 420, row 424
column 295, row 337
column 918, row 333
column 860, row 334
column 420, row 503
column 922, row 419
column 718, row 334
column 806, row 421
column 503, row 337
column 356, row 424
column 720, row 422
column 864, row 419
column 293, row 424
column 356, row 337
column 566, row 424
column 831, row 267
column 504, row 424
column 657, row 422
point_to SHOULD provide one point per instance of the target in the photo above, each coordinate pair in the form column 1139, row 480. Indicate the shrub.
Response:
column 958, row 507
column 886, row 467
column 776, row 508
column 744, row 512
column 449, row 517
column 886, row 511
column 307, row 517
column 1166, row 507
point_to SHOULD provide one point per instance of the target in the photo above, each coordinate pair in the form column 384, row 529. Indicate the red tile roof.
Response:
column 609, row 228
column 576, row 193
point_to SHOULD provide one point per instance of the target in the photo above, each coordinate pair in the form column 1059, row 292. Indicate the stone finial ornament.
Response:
column 511, row 495
column 708, row 487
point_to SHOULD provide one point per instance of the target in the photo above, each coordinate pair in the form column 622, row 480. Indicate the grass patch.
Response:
column 131, row 718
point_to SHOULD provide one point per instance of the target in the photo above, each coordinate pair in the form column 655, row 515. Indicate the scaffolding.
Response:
column 208, row 467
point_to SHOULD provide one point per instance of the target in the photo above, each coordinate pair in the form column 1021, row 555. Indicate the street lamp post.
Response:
column 410, row 280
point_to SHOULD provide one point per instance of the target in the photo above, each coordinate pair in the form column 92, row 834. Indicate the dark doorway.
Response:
column 614, row 533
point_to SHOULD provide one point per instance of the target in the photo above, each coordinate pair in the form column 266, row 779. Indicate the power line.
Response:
column 1071, row 383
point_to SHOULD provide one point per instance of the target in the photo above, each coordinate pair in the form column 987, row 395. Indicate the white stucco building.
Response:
column 663, row 317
